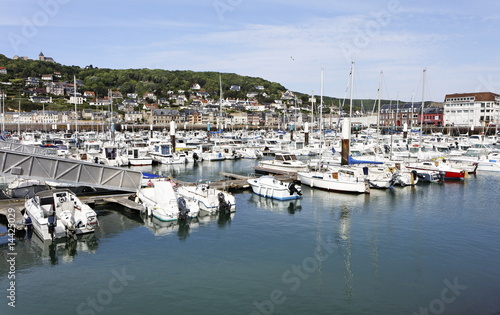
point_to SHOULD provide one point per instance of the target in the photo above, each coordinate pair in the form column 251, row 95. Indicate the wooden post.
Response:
column 346, row 132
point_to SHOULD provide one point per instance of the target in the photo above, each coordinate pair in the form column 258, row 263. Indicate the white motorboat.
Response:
column 341, row 180
column 283, row 163
column 24, row 188
column 161, row 201
column 137, row 154
column 163, row 153
column 250, row 153
column 210, row 200
column 483, row 158
column 60, row 213
column 269, row 186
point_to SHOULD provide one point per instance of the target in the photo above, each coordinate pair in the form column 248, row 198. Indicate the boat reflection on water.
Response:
column 222, row 219
column 62, row 250
column 162, row 228
column 291, row 206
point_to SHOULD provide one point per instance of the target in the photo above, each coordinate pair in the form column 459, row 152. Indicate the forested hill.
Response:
column 139, row 81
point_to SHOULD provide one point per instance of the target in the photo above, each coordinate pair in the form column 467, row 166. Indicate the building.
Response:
column 399, row 114
column 133, row 117
column 162, row 117
column 3, row 70
column 432, row 116
column 240, row 118
column 471, row 109
column 41, row 57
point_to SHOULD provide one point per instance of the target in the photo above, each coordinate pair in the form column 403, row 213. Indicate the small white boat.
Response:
column 283, row 163
column 59, row 213
column 24, row 188
column 210, row 200
column 161, row 201
column 163, row 154
column 341, row 180
column 269, row 186
column 138, row 155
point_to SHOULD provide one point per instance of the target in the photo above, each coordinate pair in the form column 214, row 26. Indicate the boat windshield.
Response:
column 472, row 153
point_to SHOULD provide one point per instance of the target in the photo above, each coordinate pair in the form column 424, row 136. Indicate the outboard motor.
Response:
column 29, row 227
column 195, row 156
column 183, row 208
column 396, row 178
column 52, row 224
column 224, row 206
column 418, row 175
column 292, row 188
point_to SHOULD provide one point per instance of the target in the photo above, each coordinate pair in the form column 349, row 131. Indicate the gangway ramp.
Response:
column 30, row 162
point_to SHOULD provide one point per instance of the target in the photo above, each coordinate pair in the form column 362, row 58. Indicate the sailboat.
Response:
column 341, row 179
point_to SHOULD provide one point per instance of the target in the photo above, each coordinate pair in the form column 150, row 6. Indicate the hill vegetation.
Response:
column 140, row 81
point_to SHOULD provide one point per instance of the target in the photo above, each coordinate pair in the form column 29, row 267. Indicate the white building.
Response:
column 76, row 100
column 240, row 118
column 471, row 109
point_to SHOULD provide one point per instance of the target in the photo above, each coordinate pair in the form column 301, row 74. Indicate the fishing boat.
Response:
column 283, row 163
column 60, row 213
column 269, row 186
column 210, row 200
column 161, row 201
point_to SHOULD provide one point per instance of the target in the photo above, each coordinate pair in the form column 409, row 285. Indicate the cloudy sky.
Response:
column 289, row 42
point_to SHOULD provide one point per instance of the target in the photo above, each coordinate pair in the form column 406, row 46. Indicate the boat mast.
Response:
column 378, row 110
column 3, row 112
column 321, row 107
column 422, row 110
column 346, row 126
column 350, row 90
column 76, row 113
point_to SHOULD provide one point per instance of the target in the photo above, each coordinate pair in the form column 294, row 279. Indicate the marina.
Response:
column 391, row 251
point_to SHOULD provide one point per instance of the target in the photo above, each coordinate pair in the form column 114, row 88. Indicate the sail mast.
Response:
column 76, row 113
column 422, row 110
column 378, row 101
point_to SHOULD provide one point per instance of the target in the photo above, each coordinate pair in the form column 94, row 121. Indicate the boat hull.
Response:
column 269, row 187
column 325, row 182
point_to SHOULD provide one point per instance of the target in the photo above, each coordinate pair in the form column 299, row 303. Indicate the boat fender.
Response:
column 365, row 170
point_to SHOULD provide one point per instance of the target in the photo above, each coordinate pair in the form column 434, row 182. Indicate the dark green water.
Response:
column 431, row 249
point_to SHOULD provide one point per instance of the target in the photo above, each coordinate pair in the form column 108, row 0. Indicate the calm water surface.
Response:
column 429, row 249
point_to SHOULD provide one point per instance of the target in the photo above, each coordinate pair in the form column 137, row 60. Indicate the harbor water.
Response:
column 428, row 249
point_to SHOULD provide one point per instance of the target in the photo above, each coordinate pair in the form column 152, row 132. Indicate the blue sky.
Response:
column 284, row 41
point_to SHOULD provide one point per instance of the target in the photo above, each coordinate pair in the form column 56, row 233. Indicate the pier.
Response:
column 29, row 162
column 232, row 182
